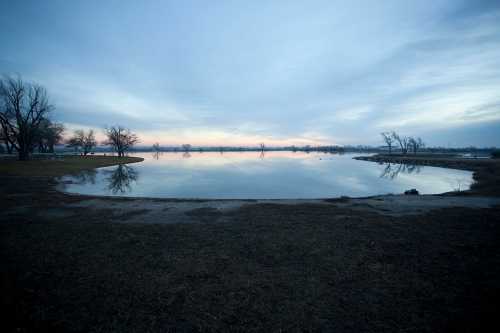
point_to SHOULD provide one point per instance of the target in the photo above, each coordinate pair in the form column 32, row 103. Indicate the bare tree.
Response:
column 156, row 147
column 186, row 147
column 389, row 140
column 23, row 106
column 120, row 138
column 262, row 146
column 48, row 135
column 156, row 151
column 415, row 144
column 84, row 140
column 402, row 141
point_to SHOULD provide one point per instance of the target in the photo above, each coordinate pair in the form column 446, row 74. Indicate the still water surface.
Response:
column 251, row 175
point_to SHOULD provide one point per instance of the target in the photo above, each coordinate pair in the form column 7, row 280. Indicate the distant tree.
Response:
column 23, row 106
column 48, row 135
column 262, row 146
column 388, row 139
column 156, row 151
column 403, row 142
column 186, row 147
column 415, row 144
column 120, row 138
column 83, row 140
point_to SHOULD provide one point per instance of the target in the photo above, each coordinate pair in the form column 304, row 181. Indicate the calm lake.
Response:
column 252, row 175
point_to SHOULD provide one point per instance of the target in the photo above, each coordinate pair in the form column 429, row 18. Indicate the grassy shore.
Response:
column 69, row 264
column 60, row 166
column 486, row 171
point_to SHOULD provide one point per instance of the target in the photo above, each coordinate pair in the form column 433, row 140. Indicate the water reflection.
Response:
column 392, row 170
column 121, row 179
column 85, row 177
column 262, row 175
column 156, row 155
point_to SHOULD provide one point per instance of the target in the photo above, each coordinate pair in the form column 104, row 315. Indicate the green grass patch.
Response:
column 61, row 166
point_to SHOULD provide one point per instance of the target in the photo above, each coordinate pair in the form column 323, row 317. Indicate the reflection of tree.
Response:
column 391, row 171
column 461, row 184
column 120, row 180
column 85, row 177
column 262, row 155
column 186, row 155
column 156, row 155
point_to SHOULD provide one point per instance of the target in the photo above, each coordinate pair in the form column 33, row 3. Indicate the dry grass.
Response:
column 267, row 268
column 272, row 268
column 60, row 166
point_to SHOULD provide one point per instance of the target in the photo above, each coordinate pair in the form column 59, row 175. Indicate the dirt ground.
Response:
column 387, row 263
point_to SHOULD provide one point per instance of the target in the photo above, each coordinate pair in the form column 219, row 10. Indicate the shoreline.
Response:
column 486, row 172
column 151, row 210
column 473, row 165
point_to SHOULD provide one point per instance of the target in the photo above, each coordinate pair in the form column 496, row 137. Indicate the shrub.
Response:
column 495, row 153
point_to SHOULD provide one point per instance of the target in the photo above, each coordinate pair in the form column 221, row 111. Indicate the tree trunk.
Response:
column 10, row 147
column 24, row 154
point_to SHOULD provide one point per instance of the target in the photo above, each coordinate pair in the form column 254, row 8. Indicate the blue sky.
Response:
column 280, row 72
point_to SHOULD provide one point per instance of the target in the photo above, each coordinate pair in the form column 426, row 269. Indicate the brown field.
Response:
column 75, row 263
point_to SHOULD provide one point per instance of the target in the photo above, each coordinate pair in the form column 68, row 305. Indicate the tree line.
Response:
column 26, row 124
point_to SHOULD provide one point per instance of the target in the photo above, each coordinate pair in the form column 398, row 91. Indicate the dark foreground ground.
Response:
column 259, row 267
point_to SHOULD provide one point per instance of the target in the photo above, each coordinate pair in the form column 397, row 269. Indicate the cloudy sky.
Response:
column 280, row 72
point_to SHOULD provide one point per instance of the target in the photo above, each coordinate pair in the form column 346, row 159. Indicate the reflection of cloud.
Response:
column 85, row 177
column 280, row 174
